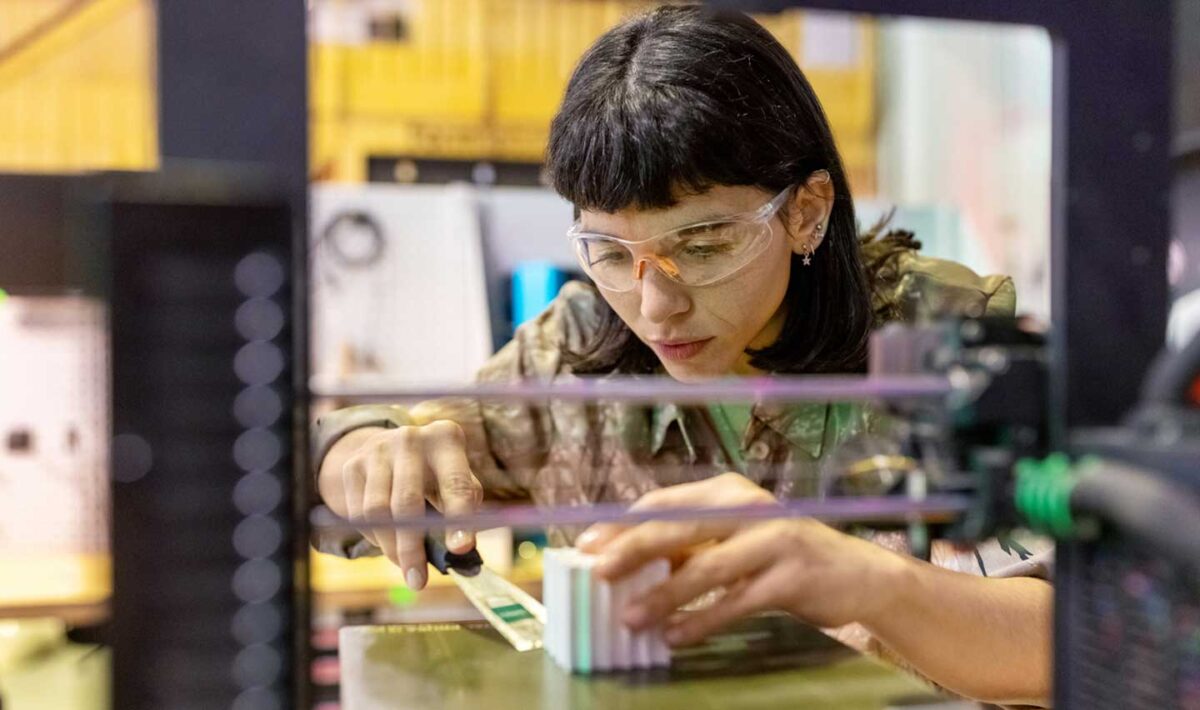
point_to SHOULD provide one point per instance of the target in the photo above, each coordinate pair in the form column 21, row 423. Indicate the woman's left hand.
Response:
column 801, row 566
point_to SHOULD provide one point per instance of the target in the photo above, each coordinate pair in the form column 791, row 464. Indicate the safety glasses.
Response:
column 694, row 255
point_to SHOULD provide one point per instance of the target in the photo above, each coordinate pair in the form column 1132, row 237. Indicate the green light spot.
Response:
column 402, row 596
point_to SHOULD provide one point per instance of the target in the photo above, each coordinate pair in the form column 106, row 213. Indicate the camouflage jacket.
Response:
column 570, row 453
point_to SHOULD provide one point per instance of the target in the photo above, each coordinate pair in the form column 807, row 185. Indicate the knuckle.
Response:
column 377, row 438
column 460, row 485
column 406, row 437
column 653, row 499
column 407, row 499
column 702, row 568
column 374, row 504
column 760, row 497
column 409, row 548
column 744, row 486
column 793, row 536
column 640, row 544
column 375, row 514
column 355, row 467
column 444, row 431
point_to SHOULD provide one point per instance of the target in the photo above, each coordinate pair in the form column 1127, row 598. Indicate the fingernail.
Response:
column 415, row 576
column 673, row 636
column 458, row 539
column 587, row 538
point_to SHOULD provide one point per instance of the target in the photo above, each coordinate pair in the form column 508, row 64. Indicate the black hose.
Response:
column 1144, row 507
column 1170, row 378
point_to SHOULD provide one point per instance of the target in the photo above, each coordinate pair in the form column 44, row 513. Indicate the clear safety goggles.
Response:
column 694, row 255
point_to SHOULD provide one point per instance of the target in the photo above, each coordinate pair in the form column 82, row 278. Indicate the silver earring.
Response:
column 808, row 250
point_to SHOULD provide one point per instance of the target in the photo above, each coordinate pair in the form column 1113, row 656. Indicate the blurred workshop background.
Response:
column 430, row 118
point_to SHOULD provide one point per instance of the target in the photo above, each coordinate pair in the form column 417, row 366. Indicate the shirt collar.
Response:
column 662, row 416
column 802, row 425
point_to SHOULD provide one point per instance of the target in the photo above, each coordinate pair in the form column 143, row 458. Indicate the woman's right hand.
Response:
column 381, row 474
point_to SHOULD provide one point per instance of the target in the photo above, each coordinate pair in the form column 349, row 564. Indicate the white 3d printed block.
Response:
column 584, row 632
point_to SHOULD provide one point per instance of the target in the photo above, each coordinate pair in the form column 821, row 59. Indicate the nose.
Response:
column 662, row 298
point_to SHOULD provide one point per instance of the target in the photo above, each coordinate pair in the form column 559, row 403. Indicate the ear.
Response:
column 808, row 213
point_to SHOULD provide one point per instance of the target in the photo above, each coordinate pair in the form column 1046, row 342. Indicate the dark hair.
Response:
column 686, row 98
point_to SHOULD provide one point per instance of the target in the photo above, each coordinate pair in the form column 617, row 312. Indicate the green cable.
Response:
column 1043, row 495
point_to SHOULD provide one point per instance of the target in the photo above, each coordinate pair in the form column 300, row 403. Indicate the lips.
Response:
column 680, row 349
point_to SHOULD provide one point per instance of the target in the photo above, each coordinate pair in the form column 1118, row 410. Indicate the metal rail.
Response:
column 808, row 388
column 886, row 509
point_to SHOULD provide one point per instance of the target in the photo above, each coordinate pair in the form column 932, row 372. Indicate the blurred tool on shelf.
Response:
column 53, row 456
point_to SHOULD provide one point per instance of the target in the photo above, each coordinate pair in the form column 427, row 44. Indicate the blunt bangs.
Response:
column 647, row 114
column 684, row 98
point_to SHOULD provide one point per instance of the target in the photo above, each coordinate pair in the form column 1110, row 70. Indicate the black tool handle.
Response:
column 468, row 563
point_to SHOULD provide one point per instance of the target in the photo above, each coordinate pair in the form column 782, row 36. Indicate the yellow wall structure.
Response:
column 481, row 79
column 77, row 85
column 472, row 79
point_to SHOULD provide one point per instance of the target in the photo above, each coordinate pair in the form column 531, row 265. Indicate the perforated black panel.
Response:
column 201, row 314
column 1131, row 635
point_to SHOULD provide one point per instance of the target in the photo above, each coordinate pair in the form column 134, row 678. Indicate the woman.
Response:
column 715, row 222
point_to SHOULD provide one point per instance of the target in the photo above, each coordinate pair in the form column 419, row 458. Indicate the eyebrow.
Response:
column 700, row 219
column 694, row 227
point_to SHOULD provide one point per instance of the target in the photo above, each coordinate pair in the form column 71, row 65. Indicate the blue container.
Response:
column 534, row 286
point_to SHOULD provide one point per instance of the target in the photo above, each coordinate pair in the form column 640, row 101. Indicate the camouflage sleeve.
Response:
column 927, row 287
column 908, row 286
column 504, row 438
column 520, row 434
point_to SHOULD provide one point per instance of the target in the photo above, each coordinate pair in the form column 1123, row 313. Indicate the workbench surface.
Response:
column 767, row 662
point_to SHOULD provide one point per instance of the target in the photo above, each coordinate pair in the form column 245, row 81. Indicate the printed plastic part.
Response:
column 584, row 633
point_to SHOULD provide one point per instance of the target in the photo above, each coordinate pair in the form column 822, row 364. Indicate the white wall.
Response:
column 965, row 128
column 419, row 312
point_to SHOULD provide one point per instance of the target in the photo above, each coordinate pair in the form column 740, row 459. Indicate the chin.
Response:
column 694, row 371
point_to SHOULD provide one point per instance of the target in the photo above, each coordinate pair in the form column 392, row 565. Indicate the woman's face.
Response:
column 700, row 332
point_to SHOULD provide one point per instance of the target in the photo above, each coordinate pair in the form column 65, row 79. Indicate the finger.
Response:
column 721, row 565
column 377, row 495
column 408, row 500
column 458, row 489
column 727, row 490
column 354, row 480
column 596, row 537
column 633, row 548
column 743, row 600
column 673, row 540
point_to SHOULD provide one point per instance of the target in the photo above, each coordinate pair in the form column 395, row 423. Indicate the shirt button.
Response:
column 759, row 450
